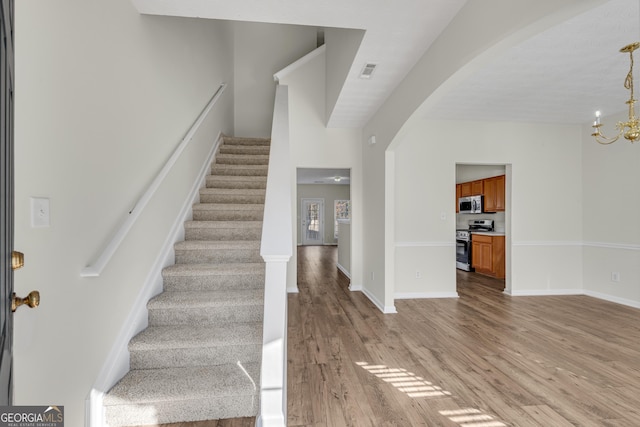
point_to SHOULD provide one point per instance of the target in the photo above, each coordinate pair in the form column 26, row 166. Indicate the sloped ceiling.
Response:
column 397, row 33
column 562, row 75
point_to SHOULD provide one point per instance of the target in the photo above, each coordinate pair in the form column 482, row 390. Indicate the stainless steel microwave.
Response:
column 470, row 205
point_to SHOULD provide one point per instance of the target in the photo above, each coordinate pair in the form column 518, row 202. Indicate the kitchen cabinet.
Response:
column 458, row 195
column 465, row 189
column 477, row 187
column 494, row 192
column 471, row 188
column 487, row 255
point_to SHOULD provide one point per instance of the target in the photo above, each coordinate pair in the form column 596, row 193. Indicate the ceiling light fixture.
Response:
column 337, row 179
column 632, row 132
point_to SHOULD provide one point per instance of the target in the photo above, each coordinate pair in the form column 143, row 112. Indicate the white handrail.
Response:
column 95, row 269
column 276, row 250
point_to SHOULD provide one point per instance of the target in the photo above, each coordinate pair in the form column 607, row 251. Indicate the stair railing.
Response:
column 95, row 269
column 276, row 250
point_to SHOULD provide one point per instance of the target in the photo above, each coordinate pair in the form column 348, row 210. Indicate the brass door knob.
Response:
column 17, row 260
column 32, row 300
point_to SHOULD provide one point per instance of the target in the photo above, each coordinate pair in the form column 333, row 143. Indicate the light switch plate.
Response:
column 40, row 212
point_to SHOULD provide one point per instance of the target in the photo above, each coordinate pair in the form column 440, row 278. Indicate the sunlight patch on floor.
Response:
column 471, row 417
column 415, row 386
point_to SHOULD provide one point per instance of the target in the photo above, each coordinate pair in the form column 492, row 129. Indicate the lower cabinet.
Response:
column 487, row 255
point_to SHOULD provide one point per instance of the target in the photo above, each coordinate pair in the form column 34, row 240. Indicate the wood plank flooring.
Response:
column 482, row 360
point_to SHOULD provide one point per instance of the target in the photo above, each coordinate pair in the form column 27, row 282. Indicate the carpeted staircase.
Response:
column 199, row 358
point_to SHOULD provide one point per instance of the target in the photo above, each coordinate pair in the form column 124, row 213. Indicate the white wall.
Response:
column 344, row 246
column 103, row 96
column 545, row 177
column 462, row 48
column 315, row 146
column 329, row 193
column 261, row 50
column 611, row 228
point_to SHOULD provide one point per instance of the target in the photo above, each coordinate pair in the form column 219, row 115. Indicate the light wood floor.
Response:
column 482, row 360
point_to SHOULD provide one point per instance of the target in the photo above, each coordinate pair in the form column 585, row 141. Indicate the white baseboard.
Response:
column 425, row 295
column 293, row 290
column 355, row 288
column 117, row 362
column 611, row 298
column 386, row 309
column 344, row 270
column 543, row 292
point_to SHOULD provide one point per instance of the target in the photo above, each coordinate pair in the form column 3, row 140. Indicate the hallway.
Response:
column 484, row 359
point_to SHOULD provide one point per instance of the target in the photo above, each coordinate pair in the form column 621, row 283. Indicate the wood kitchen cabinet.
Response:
column 494, row 194
column 458, row 195
column 477, row 187
column 487, row 255
column 471, row 188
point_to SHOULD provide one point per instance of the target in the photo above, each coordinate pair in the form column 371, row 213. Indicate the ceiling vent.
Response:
column 368, row 70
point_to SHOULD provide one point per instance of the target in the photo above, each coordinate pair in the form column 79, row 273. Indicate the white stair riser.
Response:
column 199, row 356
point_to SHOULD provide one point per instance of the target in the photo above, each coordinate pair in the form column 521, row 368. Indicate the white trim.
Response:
column 546, row 243
column 611, row 298
column 95, row 269
column 608, row 245
column 293, row 290
column 299, row 63
column 117, row 362
column 344, row 270
column 355, row 288
column 385, row 309
column 425, row 295
column 425, row 244
column 543, row 292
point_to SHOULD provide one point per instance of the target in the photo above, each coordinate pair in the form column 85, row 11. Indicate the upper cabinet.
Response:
column 493, row 190
column 472, row 188
column 494, row 194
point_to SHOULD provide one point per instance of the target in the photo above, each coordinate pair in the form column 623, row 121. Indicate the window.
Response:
column 342, row 210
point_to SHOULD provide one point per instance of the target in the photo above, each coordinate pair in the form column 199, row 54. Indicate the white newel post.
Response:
column 274, row 358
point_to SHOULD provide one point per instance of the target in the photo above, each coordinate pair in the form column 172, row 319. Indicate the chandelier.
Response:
column 630, row 129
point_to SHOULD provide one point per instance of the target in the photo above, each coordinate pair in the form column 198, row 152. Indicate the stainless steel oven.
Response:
column 463, row 250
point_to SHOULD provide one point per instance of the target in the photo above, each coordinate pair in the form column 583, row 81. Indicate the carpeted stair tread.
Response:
column 194, row 245
column 197, row 299
column 159, row 347
column 170, row 384
column 244, row 159
column 235, row 140
column 189, row 336
column 245, row 149
column 159, row 396
column 236, row 181
column 228, row 206
column 223, row 224
column 213, row 269
column 194, row 277
column 239, row 170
